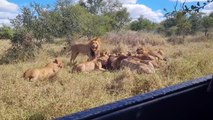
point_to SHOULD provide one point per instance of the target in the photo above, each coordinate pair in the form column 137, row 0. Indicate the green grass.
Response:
column 72, row 92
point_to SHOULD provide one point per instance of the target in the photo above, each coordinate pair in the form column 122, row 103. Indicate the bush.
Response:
column 23, row 48
column 18, row 53
column 6, row 32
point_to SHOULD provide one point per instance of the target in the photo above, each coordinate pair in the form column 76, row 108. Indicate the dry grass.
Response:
column 5, row 44
column 128, row 40
column 68, row 93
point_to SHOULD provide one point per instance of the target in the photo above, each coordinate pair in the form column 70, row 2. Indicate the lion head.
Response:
column 142, row 50
column 95, row 44
column 104, row 53
column 160, row 51
column 103, row 58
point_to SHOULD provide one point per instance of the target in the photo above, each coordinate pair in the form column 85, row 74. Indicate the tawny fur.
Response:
column 91, row 49
column 147, row 54
column 136, row 65
column 48, row 71
column 88, row 66
column 103, row 58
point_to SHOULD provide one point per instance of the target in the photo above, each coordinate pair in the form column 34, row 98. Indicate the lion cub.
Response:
column 48, row 71
column 88, row 66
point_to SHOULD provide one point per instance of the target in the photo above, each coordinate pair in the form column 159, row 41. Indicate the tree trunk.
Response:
column 206, row 31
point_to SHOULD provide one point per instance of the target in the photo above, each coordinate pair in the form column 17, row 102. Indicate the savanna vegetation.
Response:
column 39, row 33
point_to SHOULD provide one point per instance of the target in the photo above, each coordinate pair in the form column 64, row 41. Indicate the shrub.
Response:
column 6, row 32
column 23, row 48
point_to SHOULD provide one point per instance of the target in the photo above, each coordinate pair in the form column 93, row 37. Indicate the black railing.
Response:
column 191, row 100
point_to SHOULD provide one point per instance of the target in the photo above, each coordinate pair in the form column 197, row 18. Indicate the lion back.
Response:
column 80, row 48
column 29, row 74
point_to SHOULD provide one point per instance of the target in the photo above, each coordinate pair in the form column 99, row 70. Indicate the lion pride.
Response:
column 90, row 49
column 48, row 71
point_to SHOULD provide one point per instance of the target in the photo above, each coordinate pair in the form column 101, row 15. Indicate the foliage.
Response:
column 93, row 6
column 23, row 48
column 6, row 32
column 178, row 24
column 183, row 25
column 98, row 26
column 188, row 19
column 195, row 19
column 31, row 19
column 188, row 9
column 119, row 19
column 142, row 24
column 196, row 7
column 167, row 27
column 73, row 19
column 115, row 16
column 207, row 23
column 66, row 19
column 29, row 34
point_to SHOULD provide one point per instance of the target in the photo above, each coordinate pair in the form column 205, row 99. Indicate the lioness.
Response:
column 48, row 71
column 91, row 49
column 135, row 65
column 103, row 58
column 149, row 54
column 88, row 66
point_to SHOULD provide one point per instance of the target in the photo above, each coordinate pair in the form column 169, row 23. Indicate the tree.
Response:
column 169, row 22
column 188, row 9
column 61, row 4
column 119, row 18
column 207, row 23
column 95, row 6
column 116, row 15
column 32, row 19
column 112, row 6
column 168, row 26
column 142, row 24
column 183, row 24
column 75, row 20
column 195, row 8
column 195, row 19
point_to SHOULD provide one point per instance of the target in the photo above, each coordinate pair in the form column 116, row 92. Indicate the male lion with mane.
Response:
column 90, row 49
column 48, row 71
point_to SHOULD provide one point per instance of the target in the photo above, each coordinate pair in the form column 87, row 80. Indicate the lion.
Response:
column 114, row 60
column 155, row 63
column 90, row 49
column 47, row 72
column 157, row 53
column 147, row 54
column 104, row 58
column 136, row 65
column 111, row 61
column 142, row 50
column 88, row 66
